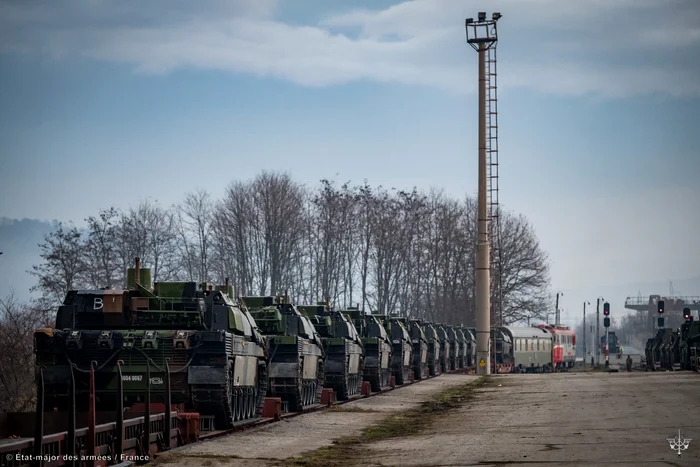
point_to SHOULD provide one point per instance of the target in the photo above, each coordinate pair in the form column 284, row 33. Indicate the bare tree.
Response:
column 102, row 264
column 525, row 270
column 403, row 252
column 194, row 229
column 17, row 324
column 63, row 265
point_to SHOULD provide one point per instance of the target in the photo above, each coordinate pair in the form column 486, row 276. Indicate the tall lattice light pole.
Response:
column 482, row 35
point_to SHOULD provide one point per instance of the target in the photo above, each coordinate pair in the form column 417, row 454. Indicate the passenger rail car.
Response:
column 524, row 349
column 564, row 346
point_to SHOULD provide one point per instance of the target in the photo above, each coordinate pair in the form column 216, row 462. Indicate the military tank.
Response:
column 433, row 339
column 462, row 350
column 402, row 349
column 444, row 348
column 470, row 334
column 420, row 347
column 378, row 348
column 344, row 364
column 295, row 348
column 689, row 343
column 208, row 345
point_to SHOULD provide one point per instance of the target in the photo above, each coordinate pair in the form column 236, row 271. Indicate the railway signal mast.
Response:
column 482, row 36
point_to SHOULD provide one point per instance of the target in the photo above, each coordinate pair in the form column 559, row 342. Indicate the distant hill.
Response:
column 19, row 239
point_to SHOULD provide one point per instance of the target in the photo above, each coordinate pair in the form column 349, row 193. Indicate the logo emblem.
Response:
column 679, row 443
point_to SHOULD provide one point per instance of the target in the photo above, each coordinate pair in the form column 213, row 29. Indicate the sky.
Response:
column 105, row 103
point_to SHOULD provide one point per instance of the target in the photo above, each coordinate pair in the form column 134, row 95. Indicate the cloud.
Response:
column 602, row 47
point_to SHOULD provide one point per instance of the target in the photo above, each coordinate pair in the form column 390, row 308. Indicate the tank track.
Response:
column 351, row 384
column 230, row 405
column 378, row 377
column 303, row 393
column 419, row 371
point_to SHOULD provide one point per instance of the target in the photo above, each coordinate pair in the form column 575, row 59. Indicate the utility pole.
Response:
column 556, row 309
column 585, row 355
column 483, row 36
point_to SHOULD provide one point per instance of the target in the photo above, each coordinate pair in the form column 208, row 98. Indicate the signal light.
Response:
column 606, row 309
column 661, row 322
column 606, row 322
column 686, row 313
column 661, row 306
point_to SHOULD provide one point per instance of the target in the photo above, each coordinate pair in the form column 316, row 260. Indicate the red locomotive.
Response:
column 564, row 346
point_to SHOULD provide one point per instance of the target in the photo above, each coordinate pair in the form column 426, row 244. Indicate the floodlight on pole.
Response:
column 481, row 35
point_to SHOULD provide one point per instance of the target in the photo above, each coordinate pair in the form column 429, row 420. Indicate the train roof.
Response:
column 557, row 329
column 526, row 332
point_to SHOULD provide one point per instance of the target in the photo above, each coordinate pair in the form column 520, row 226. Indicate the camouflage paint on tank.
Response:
column 216, row 354
column 295, row 348
column 344, row 363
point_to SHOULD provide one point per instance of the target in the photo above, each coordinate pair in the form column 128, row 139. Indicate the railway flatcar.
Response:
column 564, row 350
column 525, row 349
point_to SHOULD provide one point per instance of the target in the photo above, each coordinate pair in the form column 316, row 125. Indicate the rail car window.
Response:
column 573, row 340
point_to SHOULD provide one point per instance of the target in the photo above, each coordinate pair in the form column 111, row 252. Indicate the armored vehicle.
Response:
column 454, row 346
column 205, row 344
column 690, row 340
column 462, row 341
column 420, row 346
column 444, row 348
column 295, row 348
column 344, row 363
column 649, row 353
column 377, row 346
column 654, row 349
column 431, row 335
column 402, row 347
column 470, row 334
